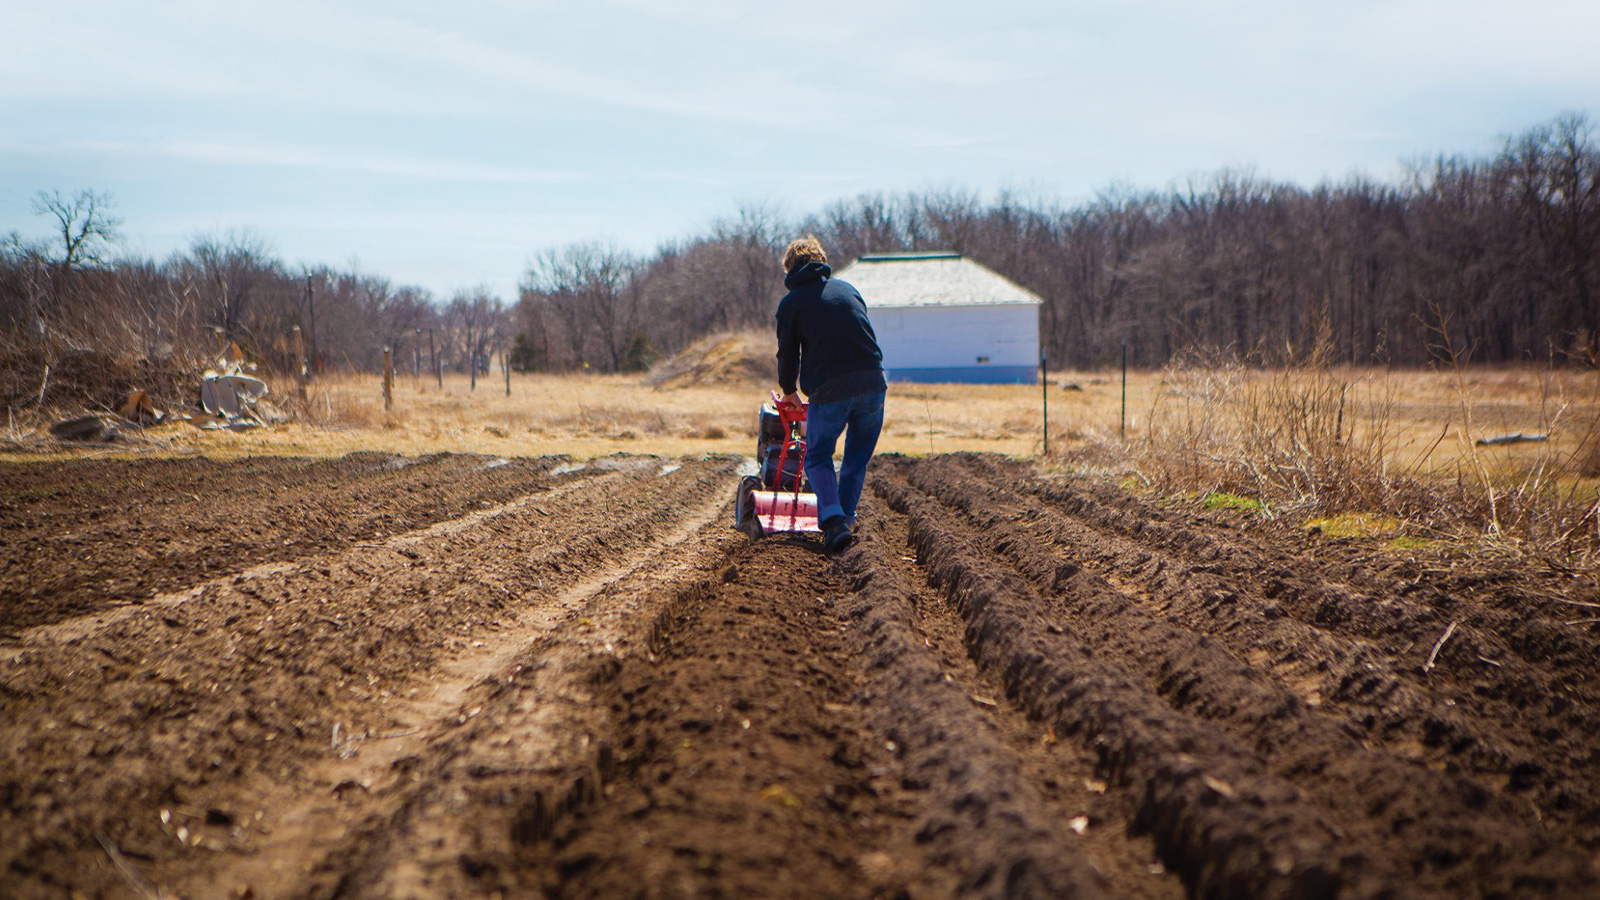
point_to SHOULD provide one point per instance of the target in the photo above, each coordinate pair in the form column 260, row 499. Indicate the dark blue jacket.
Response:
column 825, row 338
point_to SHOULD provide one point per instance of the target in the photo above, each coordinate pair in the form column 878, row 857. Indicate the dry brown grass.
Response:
column 1312, row 441
column 1309, row 441
column 594, row 415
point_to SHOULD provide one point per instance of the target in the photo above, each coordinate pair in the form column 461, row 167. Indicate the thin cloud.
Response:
column 288, row 157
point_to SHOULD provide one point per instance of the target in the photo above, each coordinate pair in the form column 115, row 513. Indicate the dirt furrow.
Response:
column 1447, row 822
column 81, row 538
column 75, row 627
column 1412, row 713
column 170, row 711
column 739, row 762
column 34, row 493
column 1470, row 711
column 1224, row 823
column 509, row 738
column 727, row 736
column 676, row 794
column 1512, row 647
column 1005, row 806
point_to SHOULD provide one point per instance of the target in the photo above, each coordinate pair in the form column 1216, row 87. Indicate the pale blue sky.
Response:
column 443, row 144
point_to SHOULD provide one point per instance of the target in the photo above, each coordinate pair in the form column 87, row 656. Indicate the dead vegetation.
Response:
column 90, row 381
column 1442, row 454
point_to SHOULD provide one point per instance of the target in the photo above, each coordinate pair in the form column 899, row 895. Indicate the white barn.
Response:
column 941, row 317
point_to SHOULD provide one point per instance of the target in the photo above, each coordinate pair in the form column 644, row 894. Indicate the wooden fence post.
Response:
column 388, row 379
column 300, row 362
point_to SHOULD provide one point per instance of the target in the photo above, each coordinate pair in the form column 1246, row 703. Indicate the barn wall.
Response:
column 968, row 344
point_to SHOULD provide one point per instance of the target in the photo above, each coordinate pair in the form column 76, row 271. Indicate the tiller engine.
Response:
column 778, row 498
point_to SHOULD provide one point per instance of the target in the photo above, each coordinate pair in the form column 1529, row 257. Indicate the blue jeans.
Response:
column 862, row 415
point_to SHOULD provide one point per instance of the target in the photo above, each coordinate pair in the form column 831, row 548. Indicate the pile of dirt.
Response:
column 735, row 357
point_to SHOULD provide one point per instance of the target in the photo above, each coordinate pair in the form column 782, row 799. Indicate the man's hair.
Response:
column 807, row 249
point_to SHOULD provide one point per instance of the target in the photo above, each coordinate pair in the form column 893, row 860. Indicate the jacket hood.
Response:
column 807, row 271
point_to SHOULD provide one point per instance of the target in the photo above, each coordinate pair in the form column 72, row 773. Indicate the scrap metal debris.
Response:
column 231, row 397
column 229, row 393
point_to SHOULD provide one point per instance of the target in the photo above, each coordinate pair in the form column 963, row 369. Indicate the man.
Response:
column 826, row 342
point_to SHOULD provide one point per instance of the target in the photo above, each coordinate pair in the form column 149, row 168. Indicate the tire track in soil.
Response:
column 175, row 710
column 85, row 535
column 1458, row 840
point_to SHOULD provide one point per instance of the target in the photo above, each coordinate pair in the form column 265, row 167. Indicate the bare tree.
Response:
column 1554, row 174
column 754, row 241
column 593, row 291
column 228, row 269
column 475, row 319
column 552, row 297
column 84, row 225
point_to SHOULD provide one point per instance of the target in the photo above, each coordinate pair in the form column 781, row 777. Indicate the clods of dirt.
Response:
column 454, row 676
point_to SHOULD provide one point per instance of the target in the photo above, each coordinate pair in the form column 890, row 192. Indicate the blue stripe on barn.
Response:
column 968, row 375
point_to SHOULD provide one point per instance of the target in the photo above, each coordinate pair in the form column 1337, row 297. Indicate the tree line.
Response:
column 1501, row 251
column 68, row 294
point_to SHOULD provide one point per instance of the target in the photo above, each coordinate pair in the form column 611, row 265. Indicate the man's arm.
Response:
column 788, row 355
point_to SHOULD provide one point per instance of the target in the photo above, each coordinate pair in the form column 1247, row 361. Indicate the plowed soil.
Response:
column 461, row 676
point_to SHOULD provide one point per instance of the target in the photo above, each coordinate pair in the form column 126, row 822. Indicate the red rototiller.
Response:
column 778, row 498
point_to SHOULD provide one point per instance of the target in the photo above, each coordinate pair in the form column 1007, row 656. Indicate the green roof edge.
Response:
column 902, row 257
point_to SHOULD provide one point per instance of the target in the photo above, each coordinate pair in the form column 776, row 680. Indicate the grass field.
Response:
column 593, row 415
column 1317, row 441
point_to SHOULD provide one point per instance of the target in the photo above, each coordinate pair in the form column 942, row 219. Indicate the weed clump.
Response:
column 1224, row 500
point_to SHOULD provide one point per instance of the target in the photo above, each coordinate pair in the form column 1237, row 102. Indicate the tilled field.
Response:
column 468, row 677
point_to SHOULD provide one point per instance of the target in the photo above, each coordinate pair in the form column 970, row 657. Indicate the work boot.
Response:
column 836, row 534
